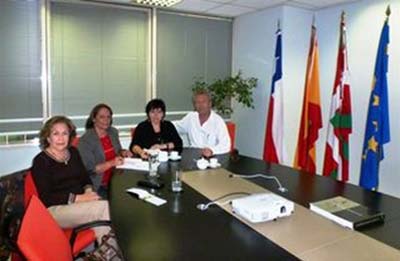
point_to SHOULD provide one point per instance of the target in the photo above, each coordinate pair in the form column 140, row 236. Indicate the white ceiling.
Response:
column 232, row 8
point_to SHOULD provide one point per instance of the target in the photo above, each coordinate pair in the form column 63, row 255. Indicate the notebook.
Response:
column 346, row 212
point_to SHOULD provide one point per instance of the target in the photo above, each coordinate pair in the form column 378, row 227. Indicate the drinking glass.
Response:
column 176, row 183
column 153, row 164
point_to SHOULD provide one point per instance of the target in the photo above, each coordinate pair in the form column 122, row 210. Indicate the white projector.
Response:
column 262, row 207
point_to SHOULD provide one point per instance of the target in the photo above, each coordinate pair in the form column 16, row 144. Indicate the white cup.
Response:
column 163, row 156
column 202, row 163
column 174, row 154
column 213, row 162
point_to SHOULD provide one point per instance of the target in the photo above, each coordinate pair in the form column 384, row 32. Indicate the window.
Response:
column 98, row 54
column 101, row 52
column 190, row 47
column 20, row 66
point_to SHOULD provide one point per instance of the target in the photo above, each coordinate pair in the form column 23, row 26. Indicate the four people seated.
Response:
column 62, row 182
column 155, row 132
column 205, row 128
column 69, row 180
column 100, row 147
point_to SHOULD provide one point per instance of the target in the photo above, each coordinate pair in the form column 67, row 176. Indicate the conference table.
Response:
column 178, row 230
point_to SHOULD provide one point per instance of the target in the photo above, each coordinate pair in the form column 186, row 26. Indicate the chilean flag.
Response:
column 273, row 144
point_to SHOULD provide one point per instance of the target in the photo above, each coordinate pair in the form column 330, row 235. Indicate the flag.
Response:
column 311, row 119
column 336, row 162
column 377, row 131
column 273, row 144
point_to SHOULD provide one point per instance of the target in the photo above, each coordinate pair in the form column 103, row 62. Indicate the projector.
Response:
column 262, row 207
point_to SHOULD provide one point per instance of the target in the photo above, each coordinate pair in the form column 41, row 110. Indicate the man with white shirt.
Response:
column 205, row 129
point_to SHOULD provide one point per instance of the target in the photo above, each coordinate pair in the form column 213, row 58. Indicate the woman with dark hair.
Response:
column 61, row 180
column 155, row 132
column 100, row 148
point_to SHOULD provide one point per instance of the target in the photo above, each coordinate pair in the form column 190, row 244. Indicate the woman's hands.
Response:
column 89, row 195
column 141, row 152
column 144, row 154
column 126, row 154
column 164, row 146
column 101, row 167
column 118, row 160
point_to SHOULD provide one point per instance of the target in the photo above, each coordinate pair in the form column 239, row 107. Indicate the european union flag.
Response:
column 377, row 132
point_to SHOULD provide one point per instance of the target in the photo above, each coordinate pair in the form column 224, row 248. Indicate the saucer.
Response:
column 215, row 166
column 175, row 158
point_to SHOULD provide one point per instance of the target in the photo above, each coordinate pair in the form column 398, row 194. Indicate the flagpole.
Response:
column 311, row 118
column 344, row 35
column 388, row 12
column 336, row 159
column 274, row 151
column 377, row 130
column 313, row 20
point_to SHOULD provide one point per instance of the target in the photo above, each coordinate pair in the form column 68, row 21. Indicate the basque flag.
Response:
column 336, row 164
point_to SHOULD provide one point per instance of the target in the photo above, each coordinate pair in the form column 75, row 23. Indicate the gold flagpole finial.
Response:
column 343, row 16
column 388, row 12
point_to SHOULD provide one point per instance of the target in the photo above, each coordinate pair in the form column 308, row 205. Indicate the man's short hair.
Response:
column 201, row 92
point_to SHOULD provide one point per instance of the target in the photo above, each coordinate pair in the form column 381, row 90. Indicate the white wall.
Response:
column 253, row 52
column 364, row 23
column 18, row 157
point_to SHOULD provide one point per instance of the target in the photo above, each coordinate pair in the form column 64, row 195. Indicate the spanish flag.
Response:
column 311, row 119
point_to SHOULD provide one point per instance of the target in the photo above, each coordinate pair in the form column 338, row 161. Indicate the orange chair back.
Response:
column 84, row 238
column 75, row 142
column 40, row 238
column 232, row 131
column 29, row 188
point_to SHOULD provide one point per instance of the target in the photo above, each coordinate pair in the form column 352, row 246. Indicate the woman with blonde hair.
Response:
column 61, row 180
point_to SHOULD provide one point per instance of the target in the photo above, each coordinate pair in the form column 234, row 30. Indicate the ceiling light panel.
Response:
column 161, row 3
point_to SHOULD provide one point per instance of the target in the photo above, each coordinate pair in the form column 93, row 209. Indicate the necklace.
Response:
column 64, row 159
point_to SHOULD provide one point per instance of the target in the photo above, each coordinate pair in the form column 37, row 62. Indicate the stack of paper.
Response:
column 146, row 196
column 134, row 163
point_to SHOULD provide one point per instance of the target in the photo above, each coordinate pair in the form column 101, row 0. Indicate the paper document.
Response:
column 134, row 163
column 146, row 196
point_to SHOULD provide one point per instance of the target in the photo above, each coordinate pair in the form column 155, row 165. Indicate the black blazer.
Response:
column 145, row 137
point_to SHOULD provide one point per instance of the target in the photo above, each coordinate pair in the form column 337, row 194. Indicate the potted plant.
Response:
column 224, row 90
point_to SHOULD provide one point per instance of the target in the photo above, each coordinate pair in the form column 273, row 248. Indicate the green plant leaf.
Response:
column 224, row 90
